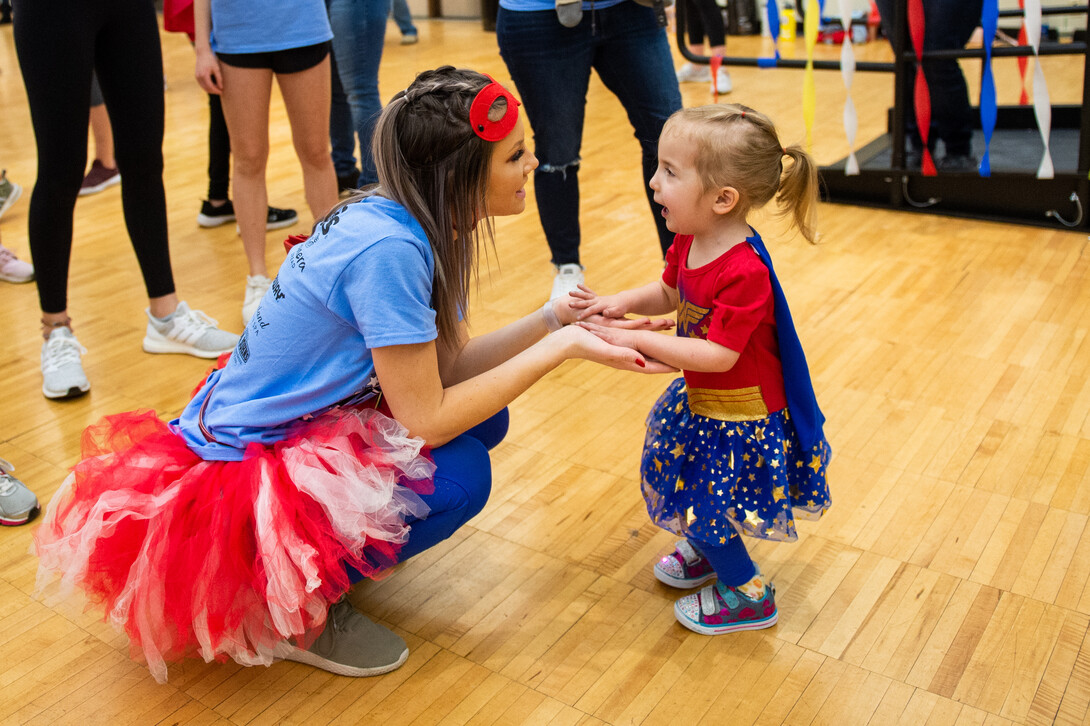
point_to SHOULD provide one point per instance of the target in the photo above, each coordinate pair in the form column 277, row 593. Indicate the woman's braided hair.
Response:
column 739, row 147
column 429, row 160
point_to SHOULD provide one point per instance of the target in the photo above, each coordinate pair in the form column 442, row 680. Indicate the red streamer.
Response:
column 922, row 94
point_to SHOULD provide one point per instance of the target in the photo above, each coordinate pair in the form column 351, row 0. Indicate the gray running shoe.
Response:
column 9, row 192
column 18, row 505
column 188, row 331
column 350, row 645
column 62, row 372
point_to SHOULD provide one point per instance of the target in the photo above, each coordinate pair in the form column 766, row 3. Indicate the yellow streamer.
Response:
column 809, row 92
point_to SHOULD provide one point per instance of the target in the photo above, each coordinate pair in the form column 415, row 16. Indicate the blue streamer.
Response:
column 989, row 22
column 774, row 31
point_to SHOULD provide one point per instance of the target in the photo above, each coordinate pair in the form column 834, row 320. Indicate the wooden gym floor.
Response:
column 947, row 585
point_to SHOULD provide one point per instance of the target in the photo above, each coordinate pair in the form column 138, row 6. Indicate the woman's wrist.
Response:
column 552, row 322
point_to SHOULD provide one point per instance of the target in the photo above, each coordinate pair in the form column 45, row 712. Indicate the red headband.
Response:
column 478, row 112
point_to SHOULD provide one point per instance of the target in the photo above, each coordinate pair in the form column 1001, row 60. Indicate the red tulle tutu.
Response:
column 227, row 559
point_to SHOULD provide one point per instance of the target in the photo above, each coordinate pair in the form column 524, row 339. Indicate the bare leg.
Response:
column 103, row 135
column 306, row 98
column 245, row 98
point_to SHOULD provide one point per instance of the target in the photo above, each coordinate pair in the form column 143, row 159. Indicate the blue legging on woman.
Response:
column 463, row 481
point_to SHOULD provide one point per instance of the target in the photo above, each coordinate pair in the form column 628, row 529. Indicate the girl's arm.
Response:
column 208, row 68
column 654, row 298
column 465, row 357
column 413, row 386
column 690, row 354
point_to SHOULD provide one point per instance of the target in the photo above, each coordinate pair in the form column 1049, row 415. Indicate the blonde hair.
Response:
column 739, row 147
column 429, row 160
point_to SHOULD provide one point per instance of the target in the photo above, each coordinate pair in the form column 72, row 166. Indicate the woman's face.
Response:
column 511, row 165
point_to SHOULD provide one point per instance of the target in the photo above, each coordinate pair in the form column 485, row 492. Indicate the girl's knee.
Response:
column 464, row 470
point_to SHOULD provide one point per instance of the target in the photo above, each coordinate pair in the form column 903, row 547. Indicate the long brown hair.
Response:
column 739, row 147
column 429, row 160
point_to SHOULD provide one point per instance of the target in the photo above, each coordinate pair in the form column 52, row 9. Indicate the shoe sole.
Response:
column 9, row 522
column 73, row 392
column 286, row 651
column 17, row 191
column 162, row 346
column 205, row 221
column 85, row 191
column 16, row 280
column 724, row 629
column 680, row 582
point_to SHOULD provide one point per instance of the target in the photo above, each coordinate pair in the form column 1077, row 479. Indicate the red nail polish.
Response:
column 641, row 364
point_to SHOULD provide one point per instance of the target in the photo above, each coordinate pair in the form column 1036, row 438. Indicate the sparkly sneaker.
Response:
column 256, row 287
column 718, row 609
column 98, row 178
column 187, row 331
column 350, row 645
column 694, row 73
column 18, row 505
column 568, row 277
column 62, row 372
column 684, row 567
column 9, row 192
column 12, row 269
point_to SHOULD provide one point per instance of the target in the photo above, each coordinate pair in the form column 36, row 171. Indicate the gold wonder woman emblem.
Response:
column 689, row 316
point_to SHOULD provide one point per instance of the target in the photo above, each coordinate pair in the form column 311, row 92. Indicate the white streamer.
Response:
column 847, row 71
column 1042, row 106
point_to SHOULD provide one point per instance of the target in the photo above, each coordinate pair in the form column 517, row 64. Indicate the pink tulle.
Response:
column 228, row 559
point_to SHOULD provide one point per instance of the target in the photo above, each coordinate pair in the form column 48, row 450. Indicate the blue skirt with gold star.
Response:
column 705, row 478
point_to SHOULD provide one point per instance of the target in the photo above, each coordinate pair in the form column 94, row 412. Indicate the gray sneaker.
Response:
column 350, row 645
column 62, row 372
column 9, row 192
column 188, row 331
column 18, row 505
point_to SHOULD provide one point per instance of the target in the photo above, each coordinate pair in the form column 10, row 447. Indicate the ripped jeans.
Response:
column 551, row 66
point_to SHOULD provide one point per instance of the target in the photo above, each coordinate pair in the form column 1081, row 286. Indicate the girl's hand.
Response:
column 631, row 323
column 208, row 73
column 588, row 303
column 581, row 343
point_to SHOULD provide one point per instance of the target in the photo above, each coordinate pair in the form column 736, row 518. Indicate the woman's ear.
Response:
column 726, row 200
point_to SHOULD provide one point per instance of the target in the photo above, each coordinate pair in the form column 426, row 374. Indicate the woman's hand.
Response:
column 208, row 72
column 580, row 342
column 630, row 323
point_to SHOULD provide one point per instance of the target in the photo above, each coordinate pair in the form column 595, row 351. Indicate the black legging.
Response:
column 59, row 42
column 219, row 150
column 705, row 17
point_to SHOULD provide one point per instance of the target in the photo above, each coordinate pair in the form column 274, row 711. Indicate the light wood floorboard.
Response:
column 947, row 585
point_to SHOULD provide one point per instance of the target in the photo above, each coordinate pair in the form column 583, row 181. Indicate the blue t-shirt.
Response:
column 243, row 26
column 363, row 280
column 525, row 5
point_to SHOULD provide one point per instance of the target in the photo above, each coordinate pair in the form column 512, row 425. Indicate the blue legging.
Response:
column 463, row 481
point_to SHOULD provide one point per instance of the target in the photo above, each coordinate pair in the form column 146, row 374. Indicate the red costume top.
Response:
column 729, row 301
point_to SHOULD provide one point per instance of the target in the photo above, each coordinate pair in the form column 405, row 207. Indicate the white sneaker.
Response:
column 12, row 269
column 568, row 277
column 690, row 73
column 187, row 331
column 62, row 372
column 256, row 287
column 722, row 81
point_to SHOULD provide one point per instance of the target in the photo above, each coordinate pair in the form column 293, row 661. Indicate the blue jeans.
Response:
column 551, row 66
column 402, row 17
column 359, row 29
column 947, row 26
column 463, row 481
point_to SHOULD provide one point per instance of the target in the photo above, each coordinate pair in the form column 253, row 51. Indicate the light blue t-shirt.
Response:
column 529, row 5
column 244, row 26
column 363, row 280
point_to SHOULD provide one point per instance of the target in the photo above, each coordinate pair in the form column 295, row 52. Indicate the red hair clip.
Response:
column 478, row 112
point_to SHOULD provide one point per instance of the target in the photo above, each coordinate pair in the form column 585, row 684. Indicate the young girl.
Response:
column 297, row 468
column 737, row 444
